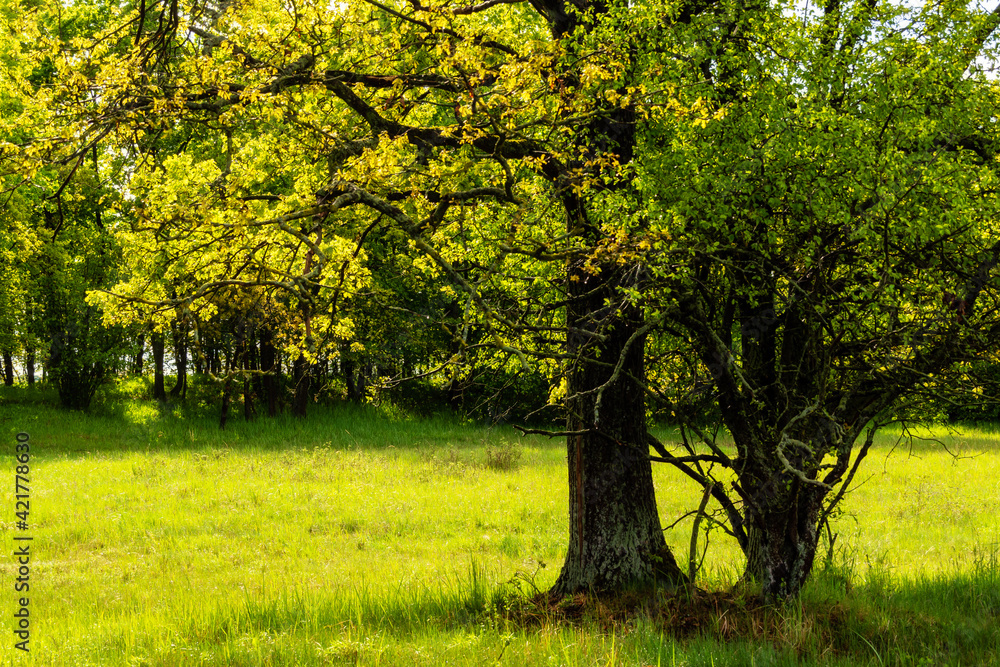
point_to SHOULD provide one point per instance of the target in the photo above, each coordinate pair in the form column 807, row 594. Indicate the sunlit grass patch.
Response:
column 141, row 412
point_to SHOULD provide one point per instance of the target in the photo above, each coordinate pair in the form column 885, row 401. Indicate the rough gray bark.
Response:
column 616, row 540
column 782, row 527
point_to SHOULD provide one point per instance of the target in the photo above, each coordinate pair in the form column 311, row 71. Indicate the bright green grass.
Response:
column 361, row 537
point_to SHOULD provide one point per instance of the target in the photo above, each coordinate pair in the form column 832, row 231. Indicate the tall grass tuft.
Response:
column 503, row 455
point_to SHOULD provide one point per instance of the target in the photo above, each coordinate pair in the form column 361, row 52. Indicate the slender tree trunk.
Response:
column 181, row 358
column 248, row 408
column 244, row 338
column 300, row 376
column 8, row 369
column 456, row 392
column 253, row 347
column 215, row 360
column 227, row 388
column 29, row 366
column 159, row 391
column 199, row 355
column 227, row 392
column 349, row 369
column 363, row 373
column 137, row 359
column 269, row 367
column 320, row 376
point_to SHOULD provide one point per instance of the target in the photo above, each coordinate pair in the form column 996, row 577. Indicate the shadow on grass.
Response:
column 946, row 620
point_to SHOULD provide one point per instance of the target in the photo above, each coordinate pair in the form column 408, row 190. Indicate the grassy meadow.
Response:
column 363, row 536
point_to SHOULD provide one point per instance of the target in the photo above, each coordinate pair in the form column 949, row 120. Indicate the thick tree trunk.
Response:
column 616, row 540
column 782, row 534
column 783, row 499
column 781, row 440
column 159, row 391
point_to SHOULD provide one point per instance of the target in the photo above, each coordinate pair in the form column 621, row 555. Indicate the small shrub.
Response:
column 503, row 456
